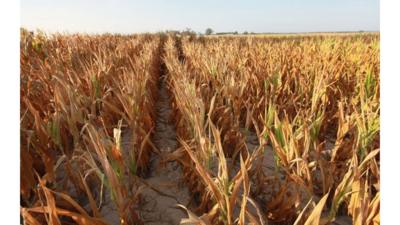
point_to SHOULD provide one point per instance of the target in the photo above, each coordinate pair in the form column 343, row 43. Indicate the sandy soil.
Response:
column 252, row 144
column 165, row 179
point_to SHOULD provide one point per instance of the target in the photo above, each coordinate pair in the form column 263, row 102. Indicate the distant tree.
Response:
column 235, row 33
column 209, row 31
column 245, row 33
column 189, row 32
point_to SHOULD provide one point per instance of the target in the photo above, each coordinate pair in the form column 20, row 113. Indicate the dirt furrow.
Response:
column 164, row 185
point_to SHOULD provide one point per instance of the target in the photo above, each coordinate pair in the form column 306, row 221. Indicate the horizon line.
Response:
column 47, row 31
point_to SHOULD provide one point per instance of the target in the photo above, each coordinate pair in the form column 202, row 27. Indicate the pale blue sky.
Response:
column 131, row 16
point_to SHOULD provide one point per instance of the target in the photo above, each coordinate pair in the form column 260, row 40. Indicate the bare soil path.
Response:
column 165, row 185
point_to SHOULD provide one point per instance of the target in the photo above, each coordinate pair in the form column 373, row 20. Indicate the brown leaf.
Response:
column 315, row 215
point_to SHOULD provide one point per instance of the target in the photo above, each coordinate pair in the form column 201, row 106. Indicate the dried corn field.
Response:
column 171, row 129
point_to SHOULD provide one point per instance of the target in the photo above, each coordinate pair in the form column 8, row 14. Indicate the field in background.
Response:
column 283, row 35
column 165, row 128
